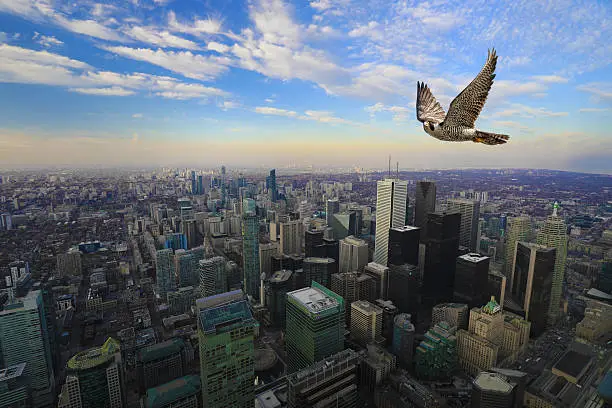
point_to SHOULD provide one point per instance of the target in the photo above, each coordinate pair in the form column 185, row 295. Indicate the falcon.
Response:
column 458, row 124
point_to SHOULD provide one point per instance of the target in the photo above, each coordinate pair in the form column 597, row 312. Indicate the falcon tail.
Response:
column 490, row 138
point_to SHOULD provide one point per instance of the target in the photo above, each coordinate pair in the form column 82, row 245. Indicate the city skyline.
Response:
column 94, row 84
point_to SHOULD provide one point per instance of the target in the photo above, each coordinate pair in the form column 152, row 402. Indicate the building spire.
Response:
column 555, row 208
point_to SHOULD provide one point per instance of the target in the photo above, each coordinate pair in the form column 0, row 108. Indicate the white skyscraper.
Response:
column 391, row 201
column 353, row 254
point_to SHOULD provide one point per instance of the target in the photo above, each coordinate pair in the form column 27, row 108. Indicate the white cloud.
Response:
column 112, row 91
column 551, row 79
column 226, row 105
column 273, row 20
column 369, row 30
column 511, row 124
column 400, row 113
column 197, row 27
column 514, row 61
column 321, row 5
column 46, row 40
column 137, row 115
column 599, row 90
column 218, row 47
column 88, row 27
column 435, row 19
column 517, row 109
column 586, row 110
column 160, row 38
column 325, row 117
column 268, row 110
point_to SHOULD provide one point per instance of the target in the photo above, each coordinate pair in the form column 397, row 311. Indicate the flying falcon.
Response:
column 458, row 124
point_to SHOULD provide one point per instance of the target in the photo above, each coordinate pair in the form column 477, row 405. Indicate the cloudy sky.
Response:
column 323, row 82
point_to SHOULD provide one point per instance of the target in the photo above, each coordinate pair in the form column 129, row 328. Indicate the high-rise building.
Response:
column 332, row 206
column 318, row 269
column 471, row 279
column 330, row 383
column 516, row 337
column 291, row 234
column 492, row 390
column 24, row 339
column 405, row 288
column 344, row 224
column 183, row 392
column 226, row 333
column 496, row 285
column 187, row 266
column 313, row 244
column 69, row 263
column 425, row 203
column 391, row 201
column 441, row 251
column 404, row 245
column 160, row 363
column 271, row 186
column 213, row 277
column 532, row 280
column 604, row 276
column 455, row 314
column 366, row 322
column 380, row 274
column 403, row 339
column 332, row 250
column 181, row 301
column 250, row 254
column 436, row 355
column 554, row 235
column 315, row 326
column 70, row 396
column 190, row 231
column 276, row 296
column 353, row 254
column 165, row 272
column 353, row 286
column 517, row 229
column 266, row 251
column 389, row 313
column 376, row 366
column 470, row 215
column 100, row 375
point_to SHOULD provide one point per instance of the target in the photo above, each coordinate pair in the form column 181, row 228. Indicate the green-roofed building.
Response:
column 436, row 356
column 160, row 363
column 226, row 333
column 183, row 392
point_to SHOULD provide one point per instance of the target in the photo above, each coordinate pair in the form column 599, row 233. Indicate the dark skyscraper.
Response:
column 404, row 245
column 404, row 288
column 318, row 270
column 194, row 187
column 313, row 244
column 200, row 186
column 271, row 185
column 425, row 203
column 471, row 280
column 441, row 246
column 250, row 254
column 331, row 207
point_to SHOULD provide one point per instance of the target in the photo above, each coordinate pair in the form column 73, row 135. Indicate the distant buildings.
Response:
column 391, row 204
column 353, row 255
column 69, row 263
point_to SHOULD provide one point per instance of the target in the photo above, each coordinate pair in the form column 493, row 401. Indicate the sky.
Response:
column 322, row 82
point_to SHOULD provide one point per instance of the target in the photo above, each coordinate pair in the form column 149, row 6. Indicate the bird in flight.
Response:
column 458, row 124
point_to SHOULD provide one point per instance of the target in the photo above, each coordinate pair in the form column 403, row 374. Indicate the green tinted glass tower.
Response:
column 250, row 254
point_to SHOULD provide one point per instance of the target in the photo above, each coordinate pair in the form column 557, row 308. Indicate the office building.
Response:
column 496, row 285
column 425, row 203
column 380, row 274
column 455, row 314
column 402, row 391
column 314, row 326
column 291, row 234
column 405, row 288
column 353, row 286
column 391, row 203
column 404, row 245
column 289, row 262
column 160, row 363
column 366, row 322
column 24, row 339
column 471, row 279
column 226, row 333
column 187, row 264
column 403, row 339
column 436, row 355
column 332, row 250
column 532, row 280
column 332, row 206
column 250, row 254
column 517, row 229
column 554, row 235
column 353, row 254
column 100, row 375
column 266, row 251
column 165, row 272
column 319, row 270
column 213, row 276
column 276, row 296
column 492, row 390
column 184, row 392
column 389, row 313
column 470, row 215
column 69, row 263
column 271, row 186
column 344, row 224
column 376, row 366
column 181, row 301
column 516, row 337
column 313, row 244
column 70, row 396
column 194, row 185
column 13, row 386
column 332, row 382
column 441, row 251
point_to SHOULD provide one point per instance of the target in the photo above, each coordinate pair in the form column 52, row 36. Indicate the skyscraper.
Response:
column 425, row 203
column 213, row 277
column 403, row 339
column 404, row 245
column 471, row 279
column 271, row 186
column 391, row 199
column 553, row 235
column 194, row 186
column 226, row 334
column 313, row 244
column 404, row 288
column 366, row 322
column 492, row 390
column 165, row 272
column 319, row 270
column 455, row 314
column 276, row 296
column 380, row 274
column 517, row 229
column 332, row 206
column 315, row 326
column 250, row 254
column 266, row 251
column 353, row 254
column 436, row 355
column 470, row 214
column 291, row 235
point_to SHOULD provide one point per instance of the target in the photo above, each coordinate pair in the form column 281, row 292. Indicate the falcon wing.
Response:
column 466, row 107
column 427, row 107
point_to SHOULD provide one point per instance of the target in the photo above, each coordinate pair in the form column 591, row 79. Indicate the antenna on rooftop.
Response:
column 389, row 166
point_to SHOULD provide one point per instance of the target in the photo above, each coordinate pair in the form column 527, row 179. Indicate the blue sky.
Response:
column 323, row 82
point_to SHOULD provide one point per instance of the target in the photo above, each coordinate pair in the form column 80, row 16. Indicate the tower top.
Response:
column 555, row 208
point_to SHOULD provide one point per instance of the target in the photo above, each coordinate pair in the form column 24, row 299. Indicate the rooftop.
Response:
column 314, row 299
column 281, row 276
column 319, row 260
column 11, row 372
column 161, row 350
column 377, row 267
column 173, row 391
column 95, row 356
column 366, row 307
column 225, row 316
column 573, row 363
column 474, row 257
column 405, row 228
column 492, row 382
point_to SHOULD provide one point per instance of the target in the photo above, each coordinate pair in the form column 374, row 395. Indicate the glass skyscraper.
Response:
column 250, row 254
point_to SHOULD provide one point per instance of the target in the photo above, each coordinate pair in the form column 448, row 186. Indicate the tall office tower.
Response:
column 553, row 235
column 291, row 233
column 353, row 286
column 319, row 270
column 344, row 224
column 376, row 366
column 470, row 214
column 185, row 209
column 391, row 199
column 404, row 245
column 100, row 375
column 187, row 266
column 532, row 280
column 266, row 251
column 366, row 322
column 492, row 390
column 332, row 206
column 190, row 230
column 200, row 185
column 516, row 336
column 226, row 334
column 332, row 250
column 405, row 288
column 223, row 188
column 24, row 339
column 331, row 383
column 436, row 355
column 604, row 276
column 425, row 203
column 441, row 251
column 276, row 296
column 250, row 254
column 479, row 346
column 496, row 286
column 455, row 314
column 313, row 244
column 175, row 241
column 181, row 301
column 70, row 396
column 69, row 263
column 380, row 274
column 517, row 229
column 481, row 226
column 403, row 339
column 194, row 186
column 471, row 279
column 353, row 254
column 180, row 393
column 389, row 313
column 271, row 186
column 165, row 272
column 213, row 277
column 160, row 363
column 315, row 326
